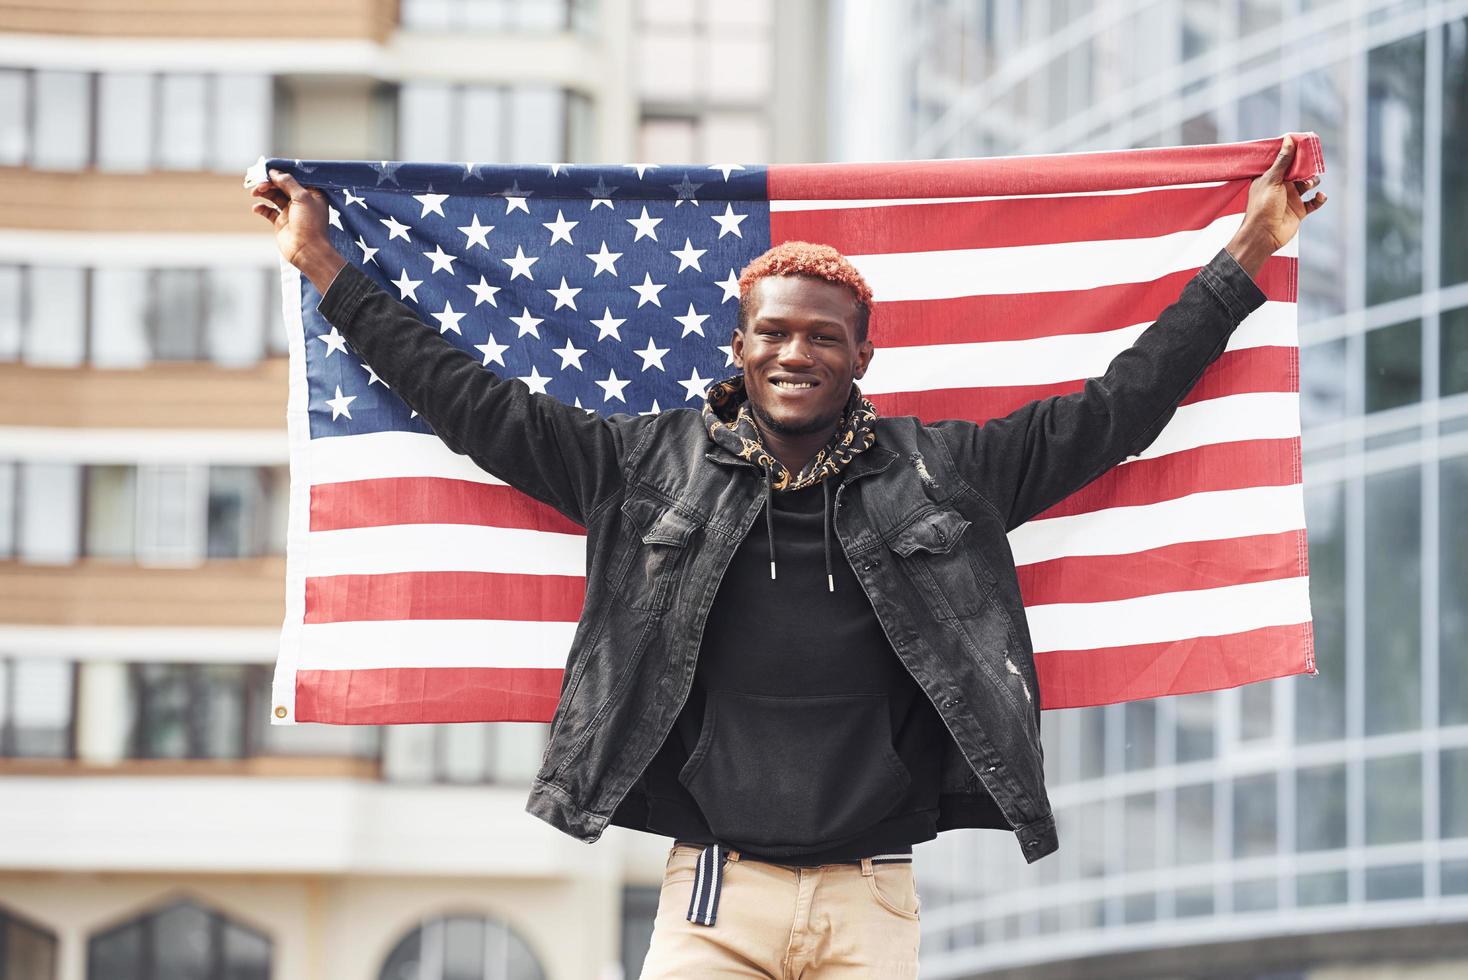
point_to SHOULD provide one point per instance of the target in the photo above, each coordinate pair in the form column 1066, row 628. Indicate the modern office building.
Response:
column 1284, row 829
column 152, row 824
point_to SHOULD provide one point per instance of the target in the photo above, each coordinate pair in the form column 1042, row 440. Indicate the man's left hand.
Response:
column 1274, row 212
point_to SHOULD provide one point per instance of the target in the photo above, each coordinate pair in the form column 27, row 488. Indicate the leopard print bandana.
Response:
column 730, row 424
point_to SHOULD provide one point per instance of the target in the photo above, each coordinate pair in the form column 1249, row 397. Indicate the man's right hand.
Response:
column 298, row 215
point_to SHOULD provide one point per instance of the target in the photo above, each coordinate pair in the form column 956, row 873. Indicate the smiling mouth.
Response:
column 793, row 385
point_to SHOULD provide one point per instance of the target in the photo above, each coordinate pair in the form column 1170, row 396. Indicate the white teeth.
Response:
column 792, row 384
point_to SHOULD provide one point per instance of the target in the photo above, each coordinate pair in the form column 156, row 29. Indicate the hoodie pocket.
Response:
column 771, row 771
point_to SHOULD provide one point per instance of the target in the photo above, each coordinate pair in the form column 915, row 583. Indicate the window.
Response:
column 8, row 509
column 1453, row 591
column 27, row 951
column 1454, row 793
column 128, row 122
column 1194, row 836
column 57, row 307
column 1393, row 654
column 1453, row 342
column 524, row 124
column 1320, row 701
column 462, row 947
column 36, row 708
column 1394, row 366
column 1254, row 816
column 483, row 15
column 50, row 513
column 190, row 711
column 502, row 752
column 182, row 941
column 1454, row 152
column 1195, row 726
column 1394, row 799
column 1394, row 153
column 1320, row 806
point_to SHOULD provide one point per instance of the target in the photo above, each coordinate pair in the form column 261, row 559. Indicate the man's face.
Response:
column 799, row 352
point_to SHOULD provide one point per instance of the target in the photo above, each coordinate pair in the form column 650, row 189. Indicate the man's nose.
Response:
column 796, row 350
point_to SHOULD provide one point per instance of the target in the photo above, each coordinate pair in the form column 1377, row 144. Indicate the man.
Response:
column 798, row 707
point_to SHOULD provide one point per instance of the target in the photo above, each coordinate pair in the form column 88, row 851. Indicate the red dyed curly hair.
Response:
column 807, row 259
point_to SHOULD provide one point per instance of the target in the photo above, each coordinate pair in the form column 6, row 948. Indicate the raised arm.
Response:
column 1046, row 450
column 554, row 452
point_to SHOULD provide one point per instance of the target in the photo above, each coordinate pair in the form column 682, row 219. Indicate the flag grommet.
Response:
column 280, row 711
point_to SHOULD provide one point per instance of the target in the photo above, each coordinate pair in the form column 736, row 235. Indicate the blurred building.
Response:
column 1291, row 828
column 152, row 824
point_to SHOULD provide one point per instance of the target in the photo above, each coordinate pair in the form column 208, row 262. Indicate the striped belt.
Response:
column 708, row 882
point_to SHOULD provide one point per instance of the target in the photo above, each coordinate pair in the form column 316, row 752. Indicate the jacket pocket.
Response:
column 939, row 565
column 657, row 537
column 770, row 771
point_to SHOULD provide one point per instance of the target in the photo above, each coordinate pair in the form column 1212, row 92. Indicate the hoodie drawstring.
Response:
column 826, row 531
column 825, row 524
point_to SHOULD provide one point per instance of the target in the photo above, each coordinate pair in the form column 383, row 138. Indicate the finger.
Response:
column 290, row 185
column 1281, row 163
column 1314, row 204
column 274, row 195
column 266, row 211
column 1306, row 186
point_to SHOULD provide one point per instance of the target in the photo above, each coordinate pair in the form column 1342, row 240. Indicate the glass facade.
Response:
column 1248, row 812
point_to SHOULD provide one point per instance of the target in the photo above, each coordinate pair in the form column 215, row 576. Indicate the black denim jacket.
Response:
column 922, row 517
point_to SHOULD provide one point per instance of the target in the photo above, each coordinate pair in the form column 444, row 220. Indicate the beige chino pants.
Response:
column 780, row 922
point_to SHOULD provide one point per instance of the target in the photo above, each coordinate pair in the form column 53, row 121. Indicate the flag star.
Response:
column 730, row 287
column 601, row 193
column 395, row 229
column 535, row 381
column 474, row 233
column 351, row 199
column 339, row 404
column 695, row 385
column 334, row 342
column 570, row 355
column 728, row 354
column 605, row 261
column 686, row 190
column 729, row 221
column 432, row 203
column 724, row 168
column 652, row 356
column 565, row 295
column 527, row 324
column 640, row 167
column 648, row 291
column 484, row 293
column 367, row 253
column 372, row 378
column 688, row 256
column 520, row 264
column 515, row 198
column 608, row 325
column 692, row 321
column 448, row 319
column 652, row 411
column 560, row 229
column 472, row 171
column 555, row 168
column 612, row 387
column 441, row 260
column 386, row 171
column 645, row 226
column 492, row 351
column 407, row 287
column 334, row 217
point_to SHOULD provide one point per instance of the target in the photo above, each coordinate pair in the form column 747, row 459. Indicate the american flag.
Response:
column 421, row 589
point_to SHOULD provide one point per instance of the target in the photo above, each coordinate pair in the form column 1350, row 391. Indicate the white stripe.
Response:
column 382, row 455
column 1210, row 516
column 878, row 202
column 1045, row 360
column 1170, row 616
column 698, row 886
column 444, row 547
column 1232, row 418
column 1060, row 266
column 434, row 643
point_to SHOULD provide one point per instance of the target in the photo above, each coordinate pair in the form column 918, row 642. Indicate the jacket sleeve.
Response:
column 559, row 454
column 1046, row 450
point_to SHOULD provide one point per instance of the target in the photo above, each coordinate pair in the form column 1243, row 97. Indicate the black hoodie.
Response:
column 804, row 739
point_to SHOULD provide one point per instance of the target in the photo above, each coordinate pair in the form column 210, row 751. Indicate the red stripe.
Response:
column 1025, row 316
column 1055, row 174
column 1253, row 369
column 1220, row 466
column 430, row 500
column 1006, row 222
column 1174, row 568
column 416, row 695
column 445, row 595
column 1078, row 678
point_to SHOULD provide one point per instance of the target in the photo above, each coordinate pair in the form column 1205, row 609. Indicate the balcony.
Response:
column 336, row 19
column 244, row 592
column 94, row 201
